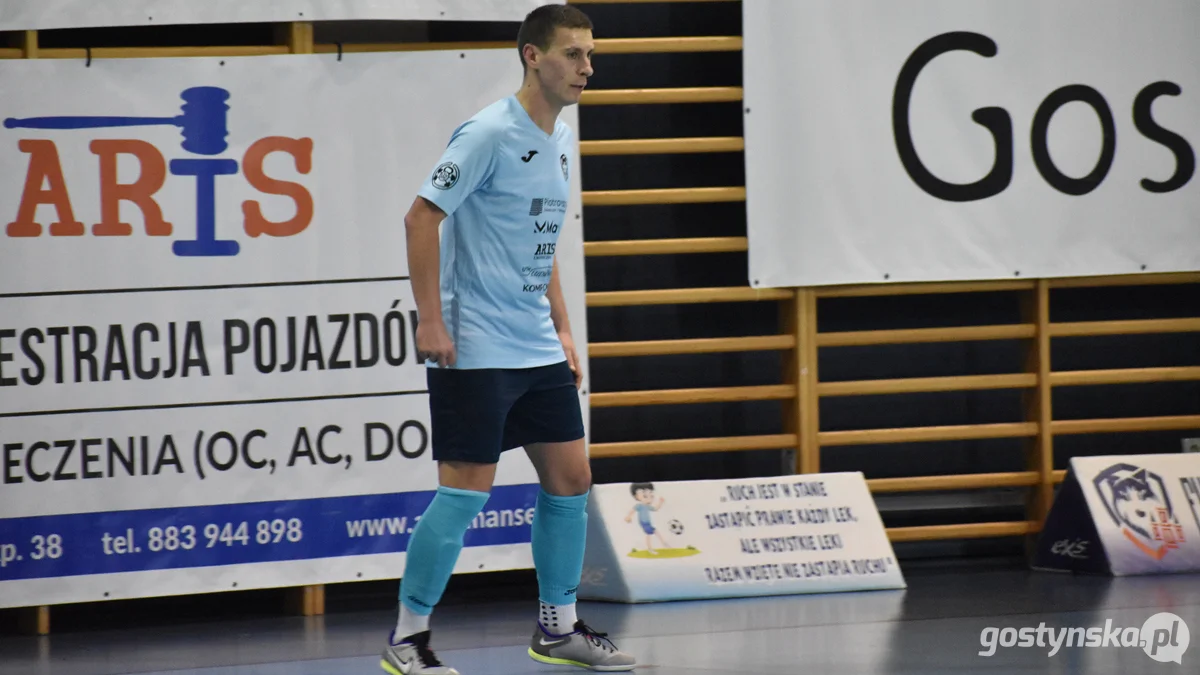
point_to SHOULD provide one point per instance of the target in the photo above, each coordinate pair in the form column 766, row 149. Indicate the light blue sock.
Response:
column 559, row 535
column 436, row 542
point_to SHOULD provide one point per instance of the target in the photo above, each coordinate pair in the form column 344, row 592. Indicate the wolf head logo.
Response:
column 1137, row 502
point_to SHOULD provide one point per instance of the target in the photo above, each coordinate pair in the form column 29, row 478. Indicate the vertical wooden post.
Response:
column 304, row 600
column 800, row 369
column 34, row 620
column 298, row 36
column 1040, row 451
column 29, row 44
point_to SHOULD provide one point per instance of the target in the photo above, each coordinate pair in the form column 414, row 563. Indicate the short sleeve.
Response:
column 464, row 166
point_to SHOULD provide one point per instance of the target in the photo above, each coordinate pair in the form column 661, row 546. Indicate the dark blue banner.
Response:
column 230, row 534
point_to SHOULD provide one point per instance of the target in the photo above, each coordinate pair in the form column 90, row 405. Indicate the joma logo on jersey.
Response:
column 203, row 125
column 545, row 228
column 545, row 250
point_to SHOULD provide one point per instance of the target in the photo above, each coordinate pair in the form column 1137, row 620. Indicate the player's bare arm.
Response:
column 562, row 323
column 421, row 231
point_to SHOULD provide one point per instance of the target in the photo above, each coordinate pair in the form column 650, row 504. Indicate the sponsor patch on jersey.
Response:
column 445, row 176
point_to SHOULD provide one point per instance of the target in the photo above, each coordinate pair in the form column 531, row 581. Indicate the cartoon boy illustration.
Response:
column 644, row 494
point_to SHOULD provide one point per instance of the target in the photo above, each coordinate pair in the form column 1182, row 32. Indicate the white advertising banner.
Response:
column 981, row 139
column 207, row 355
column 48, row 14
column 1125, row 515
column 686, row 540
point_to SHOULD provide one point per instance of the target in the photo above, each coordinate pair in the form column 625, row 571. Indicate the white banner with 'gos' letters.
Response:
column 945, row 140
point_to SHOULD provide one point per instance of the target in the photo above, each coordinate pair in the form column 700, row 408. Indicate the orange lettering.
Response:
column 301, row 151
column 140, row 192
column 44, row 166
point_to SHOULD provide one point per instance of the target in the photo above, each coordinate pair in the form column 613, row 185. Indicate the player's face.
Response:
column 564, row 69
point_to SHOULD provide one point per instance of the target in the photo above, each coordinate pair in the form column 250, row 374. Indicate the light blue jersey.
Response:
column 504, row 185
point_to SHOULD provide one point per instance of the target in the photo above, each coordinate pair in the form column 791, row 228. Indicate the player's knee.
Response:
column 568, row 483
column 467, row 476
column 577, row 482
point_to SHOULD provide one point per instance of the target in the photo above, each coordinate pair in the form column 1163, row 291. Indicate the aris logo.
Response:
column 203, row 125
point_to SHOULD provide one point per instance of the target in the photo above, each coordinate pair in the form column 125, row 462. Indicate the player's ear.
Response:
column 530, row 53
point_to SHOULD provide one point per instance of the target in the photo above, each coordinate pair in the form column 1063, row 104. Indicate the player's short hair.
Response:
column 540, row 25
column 633, row 489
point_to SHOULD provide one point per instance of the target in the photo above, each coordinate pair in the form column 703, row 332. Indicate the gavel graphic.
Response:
column 203, row 121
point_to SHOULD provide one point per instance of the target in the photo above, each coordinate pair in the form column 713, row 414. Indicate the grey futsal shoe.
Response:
column 413, row 657
column 584, row 648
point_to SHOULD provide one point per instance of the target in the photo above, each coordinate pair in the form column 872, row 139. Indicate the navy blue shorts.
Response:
column 477, row 414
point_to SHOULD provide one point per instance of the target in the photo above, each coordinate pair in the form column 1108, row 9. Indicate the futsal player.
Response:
column 502, row 368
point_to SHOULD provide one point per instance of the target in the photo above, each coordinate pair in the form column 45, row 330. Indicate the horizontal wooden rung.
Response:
column 716, row 43
column 1125, row 376
column 923, row 288
column 685, row 296
column 658, row 45
column 663, row 146
column 688, row 396
column 921, row 434
column 691, row 445
column 692, row 346
column 665, row 246
column 1163, row 279
column 1123, row 424
column 666, row 95
column 369, row 47
column 1133, row 327
column 968, row 531
column 11, row 53
column 162, row 52
column 927, row 384
column 706, row 195
column 960, row 482
column 915, row 335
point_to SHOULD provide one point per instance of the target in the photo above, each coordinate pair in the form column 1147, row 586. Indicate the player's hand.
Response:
column 568, row 344
column 434, row 343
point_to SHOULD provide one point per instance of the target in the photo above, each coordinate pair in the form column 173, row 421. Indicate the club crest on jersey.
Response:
column 445, row 176
column 562, row 159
